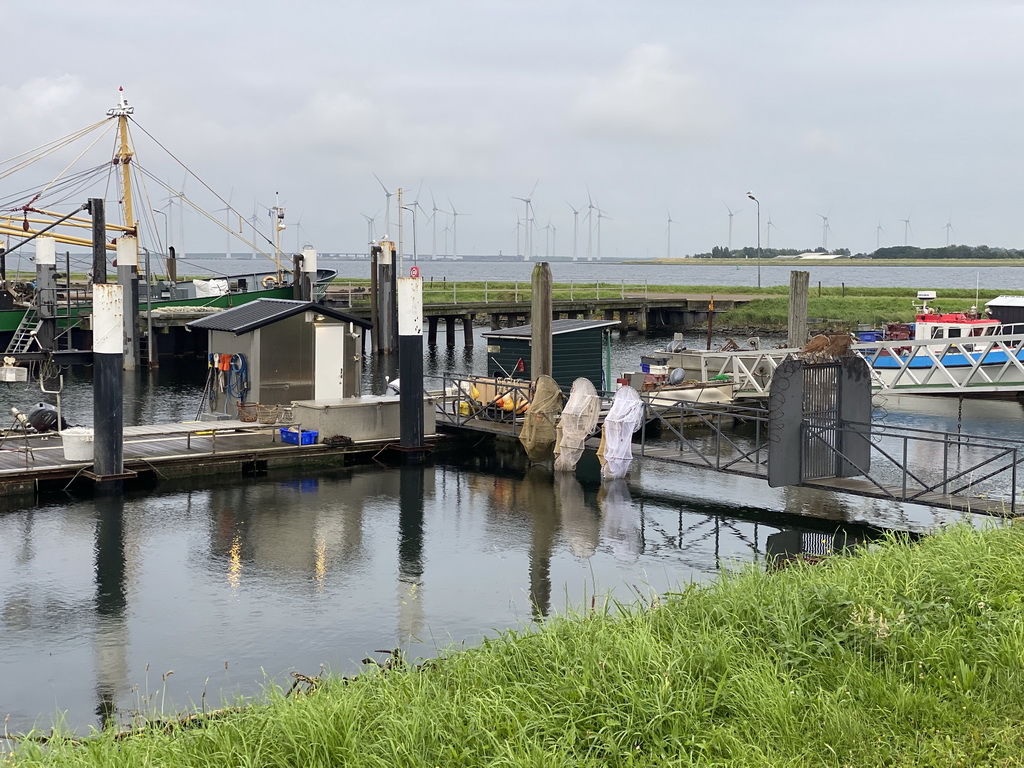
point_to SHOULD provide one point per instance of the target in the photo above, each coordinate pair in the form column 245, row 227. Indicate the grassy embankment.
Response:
column 909, row 655
column 835, row 306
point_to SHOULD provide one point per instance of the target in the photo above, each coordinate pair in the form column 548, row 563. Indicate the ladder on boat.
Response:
column 25, row 333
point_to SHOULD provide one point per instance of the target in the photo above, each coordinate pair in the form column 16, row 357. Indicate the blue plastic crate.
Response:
column 299, row 437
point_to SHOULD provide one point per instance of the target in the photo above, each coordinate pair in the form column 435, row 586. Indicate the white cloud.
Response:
column 648, row 96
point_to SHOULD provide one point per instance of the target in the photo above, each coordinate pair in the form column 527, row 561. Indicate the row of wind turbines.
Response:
column 525, row 228
column 826, row 228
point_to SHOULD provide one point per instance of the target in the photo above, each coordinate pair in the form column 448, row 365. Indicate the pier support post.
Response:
column 540, row 308
column 108, row 387
column 467, row 331
column 410, row 362
column 128, row 278
column 449, row 330
column 432, row 331
column 46, row 292
column 99, row 239
column 797, row 329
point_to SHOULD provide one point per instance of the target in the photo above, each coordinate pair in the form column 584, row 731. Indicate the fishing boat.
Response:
column 955, row 349
column 53, row 210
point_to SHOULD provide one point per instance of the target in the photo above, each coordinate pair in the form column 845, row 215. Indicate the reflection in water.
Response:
column 410, row 554
column 297, row 571
column 540, row 500
column 620, row 520
column 789, row 545
column 111, row 602
column 580, row 524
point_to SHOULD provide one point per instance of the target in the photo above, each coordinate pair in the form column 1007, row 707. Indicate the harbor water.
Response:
column 194, row 594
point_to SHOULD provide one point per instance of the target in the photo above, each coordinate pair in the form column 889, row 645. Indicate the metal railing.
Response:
column 486, row 292
column 725, row 449
column 908, row 464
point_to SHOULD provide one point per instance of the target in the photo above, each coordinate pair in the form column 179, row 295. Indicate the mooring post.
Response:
column 410, row 362
column 798, row 289
column 128, row 278
column 108, row 386
column 540, row 309
column 99, row 240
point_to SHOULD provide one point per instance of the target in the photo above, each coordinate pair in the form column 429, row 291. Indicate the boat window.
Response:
column 954, row 333
column 937, row 333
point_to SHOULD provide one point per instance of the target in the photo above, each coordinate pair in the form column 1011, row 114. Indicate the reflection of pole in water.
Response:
column 410, row 553
column 540, row 500
column 111, row 600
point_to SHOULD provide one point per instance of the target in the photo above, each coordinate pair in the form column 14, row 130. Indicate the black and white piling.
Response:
column 128, row 278
column 108, row 385
column 410, row 355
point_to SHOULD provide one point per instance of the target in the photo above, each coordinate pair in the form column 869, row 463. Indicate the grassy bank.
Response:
column 835, row 306
column 904, row 655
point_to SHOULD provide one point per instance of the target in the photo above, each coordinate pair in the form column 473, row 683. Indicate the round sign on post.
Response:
column 414, row 272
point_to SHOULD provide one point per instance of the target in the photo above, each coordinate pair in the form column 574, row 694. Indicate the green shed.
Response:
column 577, row 350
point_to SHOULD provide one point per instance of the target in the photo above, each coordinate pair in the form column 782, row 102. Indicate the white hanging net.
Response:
column 624, row 418
column 578, row 422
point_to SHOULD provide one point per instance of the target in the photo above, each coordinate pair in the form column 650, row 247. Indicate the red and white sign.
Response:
column 414, row 272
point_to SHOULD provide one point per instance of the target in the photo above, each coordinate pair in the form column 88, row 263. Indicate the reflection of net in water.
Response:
column 623, row 419
column 620, row 521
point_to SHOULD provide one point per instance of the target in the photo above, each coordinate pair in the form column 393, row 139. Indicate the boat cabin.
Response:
column 933, row 323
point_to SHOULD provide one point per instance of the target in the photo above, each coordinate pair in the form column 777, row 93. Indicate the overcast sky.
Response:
column 868, row 113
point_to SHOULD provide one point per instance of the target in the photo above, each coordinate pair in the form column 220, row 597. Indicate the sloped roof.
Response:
column 557, row 327
column 256, row 314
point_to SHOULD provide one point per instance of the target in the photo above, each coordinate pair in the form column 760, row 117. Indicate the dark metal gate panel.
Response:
column 785, row 417
column 811, row 407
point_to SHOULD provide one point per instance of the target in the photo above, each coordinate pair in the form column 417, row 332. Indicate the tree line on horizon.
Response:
column 891, row 252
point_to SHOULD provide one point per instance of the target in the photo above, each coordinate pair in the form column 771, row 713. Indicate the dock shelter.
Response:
column 577, row 350
column 289, row 350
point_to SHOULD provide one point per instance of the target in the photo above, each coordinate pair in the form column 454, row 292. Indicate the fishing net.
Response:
column 538, row 432
column 578, row 422
column 624, row 418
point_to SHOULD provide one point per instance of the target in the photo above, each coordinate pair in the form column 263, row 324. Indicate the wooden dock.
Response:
column 35, row 463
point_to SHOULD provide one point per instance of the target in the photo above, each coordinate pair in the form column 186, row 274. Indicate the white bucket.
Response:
column 77, row 443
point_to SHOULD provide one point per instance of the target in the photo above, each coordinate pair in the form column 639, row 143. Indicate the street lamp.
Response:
column 751, row 196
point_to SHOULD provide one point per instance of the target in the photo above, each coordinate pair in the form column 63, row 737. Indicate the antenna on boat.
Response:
column 124, row 153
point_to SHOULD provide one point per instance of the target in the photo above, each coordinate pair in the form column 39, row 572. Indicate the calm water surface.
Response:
column 233, row 584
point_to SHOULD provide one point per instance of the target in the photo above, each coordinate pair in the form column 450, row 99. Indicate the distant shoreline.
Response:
column 774, row 262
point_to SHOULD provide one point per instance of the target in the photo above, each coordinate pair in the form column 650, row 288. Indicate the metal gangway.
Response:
column 969, row 365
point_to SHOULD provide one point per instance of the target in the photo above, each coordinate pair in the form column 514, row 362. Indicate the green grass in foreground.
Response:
column 904, row 655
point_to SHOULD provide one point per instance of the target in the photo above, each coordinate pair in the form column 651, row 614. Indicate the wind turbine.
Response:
column 949, row 228
column 768, row 232
column 455, row 229
column 527, row 202
column 387, row 210
column 825, row 229
column 906, row 229
column 878, row 235
column 590, row 225
column 668, row 239
column 369, row 226
column 227, row 222
column 433, row 219
column 516, row 229
column 600, row 215
column 575, row 227
column 731, row 214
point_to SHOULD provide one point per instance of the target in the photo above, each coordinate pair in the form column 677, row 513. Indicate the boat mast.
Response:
column 124, row 155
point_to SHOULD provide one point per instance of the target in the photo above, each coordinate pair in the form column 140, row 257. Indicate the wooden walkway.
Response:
column 36, row 462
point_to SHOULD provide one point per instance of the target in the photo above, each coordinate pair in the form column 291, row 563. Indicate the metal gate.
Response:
column 810, row 406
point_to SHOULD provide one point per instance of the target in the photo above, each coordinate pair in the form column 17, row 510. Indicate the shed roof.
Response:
column 557, row 327
column 256, row 314
column 1006, row 301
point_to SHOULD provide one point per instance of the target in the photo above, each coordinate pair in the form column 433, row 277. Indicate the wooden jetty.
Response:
column 33, row 463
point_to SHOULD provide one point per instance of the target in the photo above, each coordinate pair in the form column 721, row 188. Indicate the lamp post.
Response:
column 751, row 196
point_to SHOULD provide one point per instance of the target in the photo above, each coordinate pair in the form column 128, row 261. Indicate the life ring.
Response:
column 270, row 281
